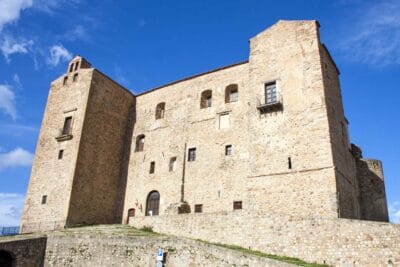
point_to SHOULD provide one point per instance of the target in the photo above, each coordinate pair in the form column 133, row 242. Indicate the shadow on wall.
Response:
column 6, row 259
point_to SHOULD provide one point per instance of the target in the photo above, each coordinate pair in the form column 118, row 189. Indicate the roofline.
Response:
column 194, row 76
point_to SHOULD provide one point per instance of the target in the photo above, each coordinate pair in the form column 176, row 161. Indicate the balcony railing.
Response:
column 270, row 106
column 64, row 134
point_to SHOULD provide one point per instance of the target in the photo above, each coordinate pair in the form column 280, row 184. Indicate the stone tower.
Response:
column 77, row 170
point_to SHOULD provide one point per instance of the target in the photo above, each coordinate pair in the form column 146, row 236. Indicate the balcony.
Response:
column 270, row 106
column 64, row 134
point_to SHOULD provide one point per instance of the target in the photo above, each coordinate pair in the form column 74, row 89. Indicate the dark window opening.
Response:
column 198, row 208
column 206, row 99
column 228, row 150
column 76, row 65
column 237, row 205
column 140, row 143
column 160, row 110
column 172, row 164
column 71, row 68
column 65, row 80
column 192, row 154
column 67, row 126
column 270, row 93
column 44, row 199
column 152, row 166
column 152, row 203
column 60, row 154
column 75, row 78
column 289, row 162
column 231, row 93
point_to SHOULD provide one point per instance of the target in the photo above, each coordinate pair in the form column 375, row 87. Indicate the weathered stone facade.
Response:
column 267, row 135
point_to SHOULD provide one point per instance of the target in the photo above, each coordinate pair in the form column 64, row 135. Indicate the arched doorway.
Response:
column 6, row 259
column 152, row 203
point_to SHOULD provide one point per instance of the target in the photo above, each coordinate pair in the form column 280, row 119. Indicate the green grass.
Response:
column 290, row 260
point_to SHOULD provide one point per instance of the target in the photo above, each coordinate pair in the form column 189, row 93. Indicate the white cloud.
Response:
column 10, row 46
column 11, row 9
column 58, row 53
column 394, row 212
column 373, row 35
column 11, row 206
column 18, row 157
column 7, row 101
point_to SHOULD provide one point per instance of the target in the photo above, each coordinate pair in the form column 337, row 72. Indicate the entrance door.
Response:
column 153, row 203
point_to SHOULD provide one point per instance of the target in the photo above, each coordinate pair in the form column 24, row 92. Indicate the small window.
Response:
column 224, row 121
column 67, row 126
column 160, row 110
column 172, row 164
column 140, row 143
column 270, row 93
column 44, row 199
column 206, row 99
column 198, row 208
column 289, row 162
column 71, row 67
column 228, row 150
column 65, row 80
column 237, row 205
column 75, row 78
column 231, row 93
column 76, row 65
column 192, row 154
column 60, row 154
column 152, row 166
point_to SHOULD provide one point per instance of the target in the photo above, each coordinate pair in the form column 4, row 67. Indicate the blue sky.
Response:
column 143, row 44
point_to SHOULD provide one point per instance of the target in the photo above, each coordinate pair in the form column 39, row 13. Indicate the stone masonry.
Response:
column 264, row 136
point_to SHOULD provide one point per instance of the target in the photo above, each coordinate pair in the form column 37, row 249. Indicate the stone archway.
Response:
column 153, row 203
column 6, row 259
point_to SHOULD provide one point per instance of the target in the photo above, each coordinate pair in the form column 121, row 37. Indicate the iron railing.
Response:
column 9, row 230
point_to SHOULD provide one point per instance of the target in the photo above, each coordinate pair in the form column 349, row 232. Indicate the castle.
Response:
column 253, row 144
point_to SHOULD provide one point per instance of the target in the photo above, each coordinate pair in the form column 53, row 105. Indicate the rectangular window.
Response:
column 60, row 154
column 198, row 208
column 172, row 164
column 152, row 166
column 67, row 126
column 75, row 78
column 224, row 121
column 270, row 93
column 192, row 154
column 237, row 205
column 228, row 150
column 44, row 199
column 289, row 162
column 65, row 80
column 233, row 95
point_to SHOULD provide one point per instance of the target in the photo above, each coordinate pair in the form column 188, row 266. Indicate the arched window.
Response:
column 206, row 99
column 160, row 110
column 231, row 93
column 140, row 142
column 6, row 259
column 152, row 203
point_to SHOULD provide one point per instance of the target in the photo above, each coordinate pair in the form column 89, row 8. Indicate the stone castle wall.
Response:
column 338, row 242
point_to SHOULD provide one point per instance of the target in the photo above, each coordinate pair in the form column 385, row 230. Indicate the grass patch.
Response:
column 290, row 260
column 146, row 228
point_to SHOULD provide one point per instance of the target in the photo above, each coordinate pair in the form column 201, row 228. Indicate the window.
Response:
column 152, row 166
column 192, row 154
column 237, row 205
column 172, row 164
column 206, row 99
column 76, row 65
column 44, row 199
column 270, row 93
column 60, row 154
column 140, row 143
column 65, row 80
column 160, row 109
column 228, row 150
column 75, row 78
column 71, row 67
column 198, row 208
column 231, row 93
column 224, row 121
column 153, row 203
column 289, row 162
column 67, row 126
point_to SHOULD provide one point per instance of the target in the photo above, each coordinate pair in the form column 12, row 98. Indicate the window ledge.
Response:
column 273, row 106
column 64, row 137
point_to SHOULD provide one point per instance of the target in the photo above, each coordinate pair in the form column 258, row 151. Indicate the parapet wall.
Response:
column 341, row 242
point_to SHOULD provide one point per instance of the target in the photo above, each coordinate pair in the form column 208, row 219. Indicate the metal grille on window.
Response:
column 270, row 93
